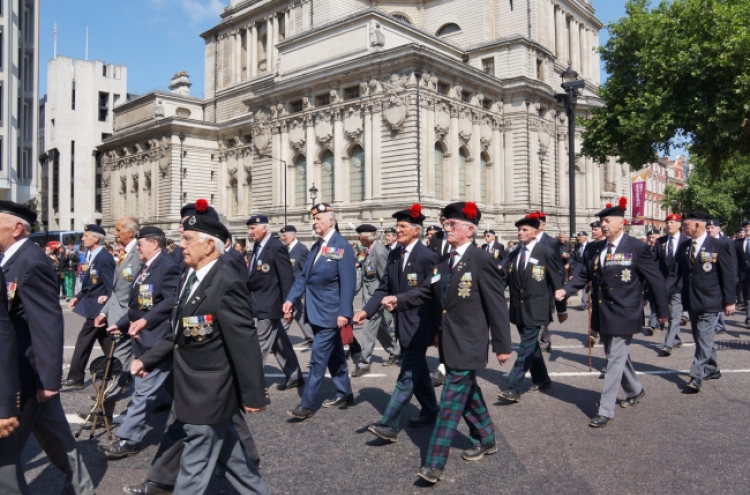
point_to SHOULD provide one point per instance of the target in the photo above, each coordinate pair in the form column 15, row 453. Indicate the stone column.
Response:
column 377, row 125
column 339, row 194
column 575, row 46
column 597, row 183
column 428, row 173
column 289, row 21
column 275, row 40
column 452, row 171
column 305, row 15
column 560, row 36
column 496, row 194
column 562, row 162
column 475, row 193
column 508, row 158
column 367, row 142
column 238, row 57
column 231, row 50
column 269, row 44
column 589, row 181
column 552, row 27
column 254, row 50
column 248, row 53
column 277, row 180
column 220, row 62
column 287, row 169
column 310, row 150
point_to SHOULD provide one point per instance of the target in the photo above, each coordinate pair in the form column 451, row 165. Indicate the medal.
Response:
column 11, row 286
column 537, row 273
column 127, row 273
column 146, row 297
column 292, row 260
column 94, row 275
column 707, row 266
column 411, row 279
column 265, row 268
column 464, row 286
column 259, row 265
column 197, row 327
column 625, row 275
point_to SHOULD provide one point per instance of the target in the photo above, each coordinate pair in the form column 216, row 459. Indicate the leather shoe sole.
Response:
column 666, row 350
column 510, row 395
column 118, row 451
column 72, row 383
column 290, row 384
column 383, row 431
column 476, row 453
column 300, row 413
column 360, row 372
column 633, row 401
column 693, row 387
column 431, row 475
column 147, row 488
column 600, row 421
column 713, row 376
column 339, row 402
column 422, row 421
column 541, row 386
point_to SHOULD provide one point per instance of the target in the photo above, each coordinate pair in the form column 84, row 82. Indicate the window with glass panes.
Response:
column 438, row 172
column 357, row 175
column 462, row 174
column 327, row 173
column 300, row 181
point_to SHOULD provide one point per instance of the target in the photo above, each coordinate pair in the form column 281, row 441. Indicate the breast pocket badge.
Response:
column 94, row 276
column 707, row 266
column 292, row 261
column 265, row 268
column 259, row 265
column 145, row 297
column 127, row 273
column 197, row 327
column 411, row 279
column 11, row 287
column 464, row 286
column 625, row 275
column 537, row 273
column 370, row 271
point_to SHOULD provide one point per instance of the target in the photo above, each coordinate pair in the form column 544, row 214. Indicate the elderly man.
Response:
column 391, row 237
column 667, row 248
column 467, row 286
column 150, row 303
column 742, row 249
column 38, row 321
column 297, row 257
column 576, row 259
column 375, row 328
column 270, row 278
column 327, row 282
column 545, row 339
column 617, row 271
column 492, row 246
column 431, row 231
column 199, row 208
column 98, row 271
column 218, row 368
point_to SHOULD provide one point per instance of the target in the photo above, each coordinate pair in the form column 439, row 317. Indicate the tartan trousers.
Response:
column 461, row 396
column 413, row 380
column 529, row 357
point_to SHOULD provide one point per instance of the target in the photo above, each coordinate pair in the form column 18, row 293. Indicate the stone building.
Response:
column 658, row 176
column 377, row 104
column 76, row 116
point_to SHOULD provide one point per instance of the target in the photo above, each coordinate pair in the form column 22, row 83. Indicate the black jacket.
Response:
column 497, row 252
column 235, row 259
column 529, row 299
column 96, row 280
column 298, row 258
column 665, row 264
column 743, row 260
column 271, row 278
column 414, row 328
column 10, row 383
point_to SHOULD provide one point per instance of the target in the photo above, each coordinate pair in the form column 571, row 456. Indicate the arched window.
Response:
column 249, row 183
column 327, row 173
column 357, row 174
column 483, row 178
column 462, row 174
column 449, row 28
column 438, row 172
column 300, row 181
column 401, row 17
column 235, row 206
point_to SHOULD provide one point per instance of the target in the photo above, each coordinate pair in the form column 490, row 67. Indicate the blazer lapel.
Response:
column 458, row 271
column 192, row 307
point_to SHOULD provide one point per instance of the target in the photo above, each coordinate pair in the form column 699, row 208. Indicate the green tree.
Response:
column 678, row 74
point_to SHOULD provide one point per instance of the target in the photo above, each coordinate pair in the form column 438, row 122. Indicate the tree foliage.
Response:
column 679, row 74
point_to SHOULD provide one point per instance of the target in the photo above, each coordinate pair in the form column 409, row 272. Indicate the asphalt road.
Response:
column 669, row 443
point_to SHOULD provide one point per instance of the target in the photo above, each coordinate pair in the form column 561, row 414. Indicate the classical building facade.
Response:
column 377, row 104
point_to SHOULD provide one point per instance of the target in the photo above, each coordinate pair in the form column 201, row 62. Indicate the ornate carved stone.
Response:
column 123, row 184
column 352, row 124
column 261, row 131
column 464, row 138
column 376, row 87
column 323, row 128
column 158, row 109
column 281, row 110
column 396, row 83
column 297, row 135
column 394, row 110
column 458, row 91
column 334, row 97
column 232, row 173
column 377, row 38
column 306, row 105
column 485, row 143
column 363, row 88
column 147, row 180
column 135, row 183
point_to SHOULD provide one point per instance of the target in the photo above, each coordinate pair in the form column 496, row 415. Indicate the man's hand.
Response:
column 342, row 321
column 389, row 302
column 360, row 317
column 136, row 327
column 100, row 321
column 560, row 294
column 8, row 426
column 72, row 303
column 502, row 358
column 255, row 409
column 562, row 317
column 288, row 317
column 662, row 320
column 729, row 309
column 287, row 307
column 114, row 330
column 101, row 299
column 42, row 395
column 137, row 369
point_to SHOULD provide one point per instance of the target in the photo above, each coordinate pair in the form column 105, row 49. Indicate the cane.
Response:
column 110, row 368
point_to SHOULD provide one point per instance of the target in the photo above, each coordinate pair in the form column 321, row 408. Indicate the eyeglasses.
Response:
column 452, row 224
column 187, row 239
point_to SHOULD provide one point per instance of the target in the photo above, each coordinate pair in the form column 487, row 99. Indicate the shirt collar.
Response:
column 148, row 263
column 94, row 253
column 460, row 250
column 531, row 245
column 408, row 249
column 616, row 242
column 262, row 243
column 293, row 243
column 12, row 250
column 701, row 239
column 200, row 274
column 131, row 245
column 327, row 237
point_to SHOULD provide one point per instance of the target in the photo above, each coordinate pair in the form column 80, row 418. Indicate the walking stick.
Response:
column 109, row 368
column 590, row 332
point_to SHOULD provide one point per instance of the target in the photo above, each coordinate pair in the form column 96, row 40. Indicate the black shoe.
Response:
column 683, row 321
column 72, row 383
column 430, row 474
column 301, row 412
column 119, row 449
column 541, row 386
column 438, row 379
column 95, row 417
column 693, row 386
column 306, row 344
column 476, row 453
column 649, row 331
column 360, row 372
column 391, row 361
column 510, row 394
column 291, row 384
column 148, row 488
column 548, row 350
column 339, row 402
column 219, row 471
column 383, row 431
column 422, row 421
column 667, row 351
column 712, row 376
column 633, row 401
column 678, row 345
column 600, row 421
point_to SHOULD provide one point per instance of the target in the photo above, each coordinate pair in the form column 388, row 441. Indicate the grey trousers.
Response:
column 51, row 429
column 620, row 371
column 377, row 329
column 675, row 315
column 144, row 400
column 720, row 324
column 205, row 445
column 299, row 317
column 705, row 362
column 274, row 340
column 12, row 481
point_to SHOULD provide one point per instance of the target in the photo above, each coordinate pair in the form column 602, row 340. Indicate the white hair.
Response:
column 131, row 224
column 26, row 225
column 218, row 245
column 99, row 237
column 370, row 236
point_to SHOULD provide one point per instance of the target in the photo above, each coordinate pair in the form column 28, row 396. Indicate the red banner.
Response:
column 638, row 202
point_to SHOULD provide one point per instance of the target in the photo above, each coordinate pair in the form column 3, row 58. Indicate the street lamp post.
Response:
column 182, row 140
column 543, row 146
column 313, row 194
column 571, row 84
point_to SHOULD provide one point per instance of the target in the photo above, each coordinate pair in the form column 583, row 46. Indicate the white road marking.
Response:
column 74, row 419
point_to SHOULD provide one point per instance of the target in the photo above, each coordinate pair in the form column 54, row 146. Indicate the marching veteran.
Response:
column 468, row 287
column 409, row 265
column 617, row 270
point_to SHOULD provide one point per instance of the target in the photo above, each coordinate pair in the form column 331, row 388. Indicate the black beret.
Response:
column 288, row 228
column 320, row 208
column 150, row 231
column 434, row 228
column 595, row 225
column 412, row 215
column 532, row 220
column 582, row 234
column 466, row 211
column 207, row 225
column 18, row 210
column 390, row 230
column 489, row 232
column 713, row 222
column 697, row 215
column 200, row 207
column 257, row 220
column 745, row 223
column 366, row 227
column 653, row 232
column 94, row 228
column 738, row 230
column 617, row 210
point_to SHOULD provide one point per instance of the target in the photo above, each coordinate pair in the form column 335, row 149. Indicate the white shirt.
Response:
column 291, row 246
column 12, row 250
column 582, row 248
column 675, row 242
column 460, row 250
column 146, row 265
column 131, row 245
column 746, row 241
column 200, row 275
column 259, row 246
column 92, row 255
column 326, row 240
column 391, row 247
column 529, row 247
column 699, row 242
column 490, row 245
column 615, row 243
column 407, row 251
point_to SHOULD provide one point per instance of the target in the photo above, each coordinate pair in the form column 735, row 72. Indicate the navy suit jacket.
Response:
column 617, row 290
column 661, row 253
column 328, row 284
column 414, row 328
column 529, row 299
column 234, row 259
column 271, row 277
column 298, row 258
column 104, row 265
column 38, row 319
column 164, row 276
column 709, row 284
column 10, row 383
column 743, row 260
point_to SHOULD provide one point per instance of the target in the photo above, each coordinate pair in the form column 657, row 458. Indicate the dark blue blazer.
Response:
column 743, row 260
column 271, row 277
column 164, row 275
column 328, row 284
column 10, row 384
column 661, row 254
column 104, row 264
column 708, row 285
column 529, row 298
column 38, row 319
column 298, row 258
column 617, row 290
column 414, row 328
column 234, row 259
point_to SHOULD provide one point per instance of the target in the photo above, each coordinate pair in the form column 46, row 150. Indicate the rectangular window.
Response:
column 104, row 69
column 323, row 100
column 103, row 106
column 466, row 97
column 115, row 100
column 73, row 96
column 98, row 184
column 2, row 46
column 488, row 66
column 487, row 104
column 443, row 88
column 351, row 93
column 26, row 164
column 72, row 175
column 540, row 69
column 55, row 180
column 295, row 106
